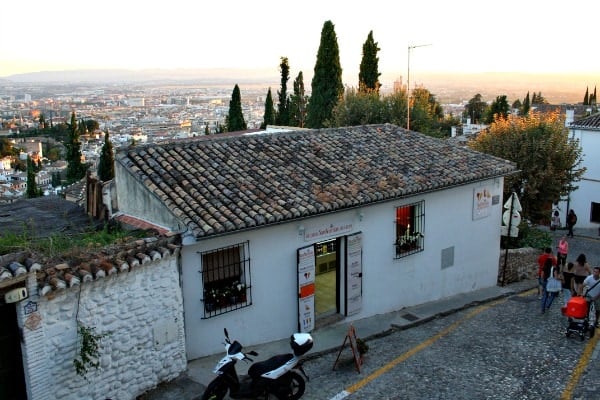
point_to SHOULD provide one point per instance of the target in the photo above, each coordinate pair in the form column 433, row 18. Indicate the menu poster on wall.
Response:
column 354, row 274
column 482, row 202
column 306, row 288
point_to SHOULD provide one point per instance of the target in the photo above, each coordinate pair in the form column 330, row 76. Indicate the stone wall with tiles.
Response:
column 521, row 264
column 141, row 312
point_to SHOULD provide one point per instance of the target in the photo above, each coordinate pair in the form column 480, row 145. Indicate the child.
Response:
column 555, row 223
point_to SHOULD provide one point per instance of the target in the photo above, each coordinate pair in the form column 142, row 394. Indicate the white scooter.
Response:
column 269, row 379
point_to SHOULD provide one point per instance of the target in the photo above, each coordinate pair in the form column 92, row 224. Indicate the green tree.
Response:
column 298, row 102
column 475, row 109
column 235, row 119
column 427, row 113
column 7, row 148
column 586, row 99
column 327, row 87
column 106, row 164
column 547, row 160
column 32, row 190
column 516, row 105
column 360, row 108
column 269, row 115
column 526, row 105
column 538, row 98
column 56, row 179
column 498, row 109
column 368, row 76
column 75, row 168
column 283, row 108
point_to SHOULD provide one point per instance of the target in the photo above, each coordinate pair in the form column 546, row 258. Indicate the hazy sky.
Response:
column 465, row 35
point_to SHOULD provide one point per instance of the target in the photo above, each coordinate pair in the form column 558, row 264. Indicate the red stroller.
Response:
column 581, row 317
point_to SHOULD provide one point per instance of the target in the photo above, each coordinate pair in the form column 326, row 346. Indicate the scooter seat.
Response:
column 259, row 368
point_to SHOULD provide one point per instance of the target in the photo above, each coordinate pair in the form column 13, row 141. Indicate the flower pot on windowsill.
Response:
column 209, row 306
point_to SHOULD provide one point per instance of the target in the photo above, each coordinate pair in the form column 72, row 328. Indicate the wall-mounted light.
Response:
column 361, row 215
column 301, row 230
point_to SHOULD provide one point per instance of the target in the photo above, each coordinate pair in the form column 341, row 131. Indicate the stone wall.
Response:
column 140, row 310
column 521, row 264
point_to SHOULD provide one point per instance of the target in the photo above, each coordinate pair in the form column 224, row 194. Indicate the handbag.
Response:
column 553, row 284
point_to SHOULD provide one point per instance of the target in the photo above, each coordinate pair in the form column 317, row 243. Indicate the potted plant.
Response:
column 362, row 347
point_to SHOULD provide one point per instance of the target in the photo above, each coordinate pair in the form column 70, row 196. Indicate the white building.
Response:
column 287, row 231
column 585, row 201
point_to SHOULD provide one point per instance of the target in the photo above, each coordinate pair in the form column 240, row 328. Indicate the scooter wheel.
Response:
column 216, row 390
column 293, row 387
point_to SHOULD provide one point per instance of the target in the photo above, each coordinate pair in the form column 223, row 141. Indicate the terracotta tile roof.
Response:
column 226, row 184
column 53, row 274
column 591, row 123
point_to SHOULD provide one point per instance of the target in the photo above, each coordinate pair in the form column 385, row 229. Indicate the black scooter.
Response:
column 275, row 378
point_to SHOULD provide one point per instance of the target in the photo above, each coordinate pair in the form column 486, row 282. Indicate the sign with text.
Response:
column 306, row 288
column 320, row 232
column 482, row 202
column 354, row 274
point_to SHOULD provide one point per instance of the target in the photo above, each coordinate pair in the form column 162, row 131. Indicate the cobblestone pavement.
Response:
column 502, row 350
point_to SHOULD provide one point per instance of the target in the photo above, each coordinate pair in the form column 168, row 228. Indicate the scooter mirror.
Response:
column 226, row 333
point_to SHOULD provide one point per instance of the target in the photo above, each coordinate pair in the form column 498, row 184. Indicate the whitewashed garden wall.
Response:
column 141, row 311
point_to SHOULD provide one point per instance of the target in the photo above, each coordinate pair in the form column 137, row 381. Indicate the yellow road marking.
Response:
column 579, row 369
column 566, row 395
column 423, row 345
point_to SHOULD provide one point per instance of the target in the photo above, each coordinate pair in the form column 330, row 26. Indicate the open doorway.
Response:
column 327, row 287
column 12, row 381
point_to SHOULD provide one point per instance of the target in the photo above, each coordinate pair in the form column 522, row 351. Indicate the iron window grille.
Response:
column 226, row 279
column 410, row 224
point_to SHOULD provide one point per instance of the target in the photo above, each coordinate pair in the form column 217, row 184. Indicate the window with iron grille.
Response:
column 410, row 225
column 226, row 280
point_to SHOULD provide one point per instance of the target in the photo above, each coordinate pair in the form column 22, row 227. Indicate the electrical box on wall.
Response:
column 15, row 295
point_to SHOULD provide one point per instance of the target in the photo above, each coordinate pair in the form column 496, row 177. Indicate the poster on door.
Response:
column 306, row 288
column 354, row 274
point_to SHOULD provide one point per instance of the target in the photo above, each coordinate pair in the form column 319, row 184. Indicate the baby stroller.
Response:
column 581, row 316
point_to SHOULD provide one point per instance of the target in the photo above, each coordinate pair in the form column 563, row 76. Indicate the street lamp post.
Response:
column 408, row 83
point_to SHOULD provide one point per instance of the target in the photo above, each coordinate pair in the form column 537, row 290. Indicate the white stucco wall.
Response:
column 136, row 199
column 589, row 186
column 388, row 284
column 142, row 311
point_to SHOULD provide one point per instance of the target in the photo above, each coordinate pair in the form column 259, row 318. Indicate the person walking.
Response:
column 592, row 285
column 562, row 249
column 549, row 293
column 581, row 270
column 571, row 221
column 568, row 289
column 547, row 254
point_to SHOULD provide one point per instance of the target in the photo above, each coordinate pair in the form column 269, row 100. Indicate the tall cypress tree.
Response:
column 526, row 105
column 327, row 84
column 586, row 99
column 32, row 190
column 106, row 164
column 368, row 76
column 298, row 103
column 75, row 168
column 269, row 116
column 235, row 118
column 283, row 108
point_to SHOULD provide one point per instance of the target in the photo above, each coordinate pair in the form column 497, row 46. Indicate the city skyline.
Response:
column 518, row 37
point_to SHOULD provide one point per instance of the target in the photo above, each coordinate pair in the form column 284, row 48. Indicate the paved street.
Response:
column 500, row 350
column 505, row 349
